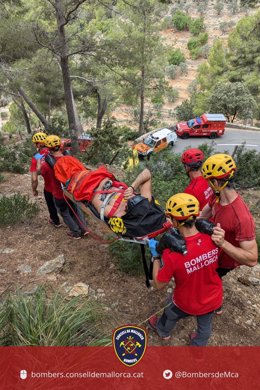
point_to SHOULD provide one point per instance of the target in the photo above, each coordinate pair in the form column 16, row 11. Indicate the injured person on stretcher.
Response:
column 128, row 210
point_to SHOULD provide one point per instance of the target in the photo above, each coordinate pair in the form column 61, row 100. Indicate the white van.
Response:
column 156, row 141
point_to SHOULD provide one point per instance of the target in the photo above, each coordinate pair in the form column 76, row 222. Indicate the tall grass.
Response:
column 38, row 320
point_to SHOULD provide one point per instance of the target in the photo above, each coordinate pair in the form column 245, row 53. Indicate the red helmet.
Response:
column 192, row 157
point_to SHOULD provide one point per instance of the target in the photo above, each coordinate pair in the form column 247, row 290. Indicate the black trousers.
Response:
column 51, row 207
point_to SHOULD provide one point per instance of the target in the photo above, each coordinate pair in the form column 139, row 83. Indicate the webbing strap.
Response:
column 145, row 266
column 76, row 180
column 116, row 205
column 105, row 203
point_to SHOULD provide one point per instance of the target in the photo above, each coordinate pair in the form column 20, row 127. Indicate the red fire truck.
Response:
column 84, row 142
column 206, row 125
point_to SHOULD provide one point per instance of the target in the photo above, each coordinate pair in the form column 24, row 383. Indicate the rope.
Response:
column 144, row 321
column 83, row 227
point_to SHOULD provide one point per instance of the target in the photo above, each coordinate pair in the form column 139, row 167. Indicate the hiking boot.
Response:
column 75, row 236
column 219, row 311
column 84, row 233
column 56, row 225
column 152, row 325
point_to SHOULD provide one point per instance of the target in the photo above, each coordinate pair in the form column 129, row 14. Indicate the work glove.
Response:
column 174, row 241
column 38, row 156
column 153, row 247
column 204, row 226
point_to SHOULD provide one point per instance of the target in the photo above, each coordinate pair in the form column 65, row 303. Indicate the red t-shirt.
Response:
column 48, row 173
column 238, row 223
column 199, row 187
column 198, row 287
column 33, row 167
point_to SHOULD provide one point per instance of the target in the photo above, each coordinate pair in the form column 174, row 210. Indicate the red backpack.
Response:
column 66, row 167
column 83, row 184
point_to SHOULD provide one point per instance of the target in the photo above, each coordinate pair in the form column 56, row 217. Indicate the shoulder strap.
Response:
column 50, row 160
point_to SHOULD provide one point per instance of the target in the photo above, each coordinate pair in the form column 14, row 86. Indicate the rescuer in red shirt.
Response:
column 198, row 288
column 235, row 230
column 38, row 140
column 72, row 217
column 192, row 160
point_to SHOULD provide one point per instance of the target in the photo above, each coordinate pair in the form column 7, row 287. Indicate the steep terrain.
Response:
column 25, row 247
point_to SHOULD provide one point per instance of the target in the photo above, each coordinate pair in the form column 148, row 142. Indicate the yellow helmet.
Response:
column 52, row 141
column 117, row 225
column 39, row 138
column 219, row 166
column 182, row 206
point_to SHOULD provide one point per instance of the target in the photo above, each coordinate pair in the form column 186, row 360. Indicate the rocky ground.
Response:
column 85, row 267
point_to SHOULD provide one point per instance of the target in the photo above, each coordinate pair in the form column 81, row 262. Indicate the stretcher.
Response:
column 100, row 231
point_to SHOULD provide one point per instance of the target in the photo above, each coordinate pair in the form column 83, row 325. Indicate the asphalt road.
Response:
column 226, row 143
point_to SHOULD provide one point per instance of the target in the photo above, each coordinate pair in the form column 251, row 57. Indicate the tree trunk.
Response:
column 141, row 117
column 77, row 119
column 102, row 107
column 143, row 75
column 64, row 63
column 26, row 118
column 34, row 108
column 21, row 106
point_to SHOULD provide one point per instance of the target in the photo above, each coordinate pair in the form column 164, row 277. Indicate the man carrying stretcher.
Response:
column 127, row 212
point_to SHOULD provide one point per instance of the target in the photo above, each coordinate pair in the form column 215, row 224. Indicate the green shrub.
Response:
column 37, row 320
column 184, row 111
column 196, row 53
column 127, row 257
column 248, row 163
column 172, row 95
column 195, row 45
column 4, row 115
column 16, row 158
column 167, row 22
column 181, row 21
column 218, row 7
column 176, row 57
column 183, row 68
column 106, row 144
column 125, row 133
column 16, row 208
column 157, row 101
column 202, row 6
column 201, row 40
column 171, row 71
column 196, row 26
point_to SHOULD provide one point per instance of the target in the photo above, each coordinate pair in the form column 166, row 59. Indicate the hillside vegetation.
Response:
column 144, row 63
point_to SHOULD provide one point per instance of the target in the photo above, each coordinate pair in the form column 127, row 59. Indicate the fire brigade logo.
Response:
column 129, row 344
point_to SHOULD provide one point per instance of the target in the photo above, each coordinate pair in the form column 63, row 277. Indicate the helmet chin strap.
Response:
column 218, row 189
column 181, row 223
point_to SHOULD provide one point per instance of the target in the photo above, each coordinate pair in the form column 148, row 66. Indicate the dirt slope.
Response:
column 125, row 299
